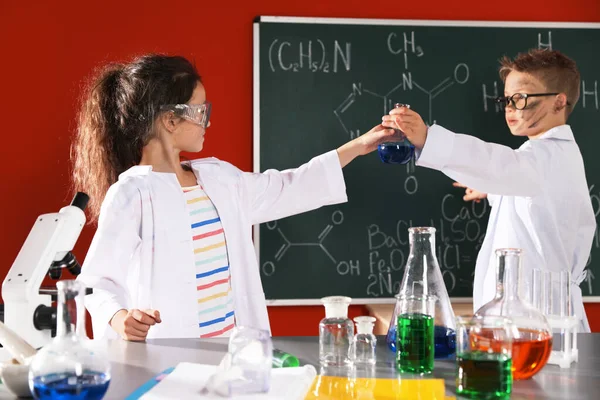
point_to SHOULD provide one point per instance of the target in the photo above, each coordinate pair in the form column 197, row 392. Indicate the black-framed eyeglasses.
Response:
column 519, row 100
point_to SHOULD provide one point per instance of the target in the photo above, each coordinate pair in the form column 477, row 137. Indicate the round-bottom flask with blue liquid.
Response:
column 400, row 152
column 70, row 367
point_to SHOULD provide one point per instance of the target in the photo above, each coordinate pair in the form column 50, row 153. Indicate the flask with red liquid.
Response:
column 532, row 340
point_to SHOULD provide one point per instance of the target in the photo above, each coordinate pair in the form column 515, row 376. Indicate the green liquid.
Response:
column 282, row 359
column 414, row 343
column 483, row 375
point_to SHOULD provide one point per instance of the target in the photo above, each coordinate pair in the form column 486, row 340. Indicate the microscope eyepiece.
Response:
column 80, row 200
column 44, row 317
column 69, row 262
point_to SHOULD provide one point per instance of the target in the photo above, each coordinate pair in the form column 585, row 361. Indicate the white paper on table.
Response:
column 188, row 379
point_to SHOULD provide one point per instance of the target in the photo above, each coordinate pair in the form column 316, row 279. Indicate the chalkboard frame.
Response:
column 369, row 21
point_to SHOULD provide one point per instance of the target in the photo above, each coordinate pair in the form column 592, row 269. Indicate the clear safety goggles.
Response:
column 196, row 113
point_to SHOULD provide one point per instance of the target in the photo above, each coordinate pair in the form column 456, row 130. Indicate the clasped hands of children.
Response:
column 415, row 130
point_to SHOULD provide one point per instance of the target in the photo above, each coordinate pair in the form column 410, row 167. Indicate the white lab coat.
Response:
column 540, row 203
column 142, row 257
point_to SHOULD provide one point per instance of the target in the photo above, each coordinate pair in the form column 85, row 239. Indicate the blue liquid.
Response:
column 444, row 340
column 396, row 153
column 89, row 386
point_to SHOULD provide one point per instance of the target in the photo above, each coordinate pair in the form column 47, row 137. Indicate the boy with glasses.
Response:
column 538, row 193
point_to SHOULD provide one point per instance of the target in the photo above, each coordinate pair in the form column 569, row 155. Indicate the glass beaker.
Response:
column 246, row 367
column 252, row 353
column 70, row 367
column 532, row 343
column 483, row 357
column 415, row 341
column 398, row 150
column 336, row 332
column 422, row 276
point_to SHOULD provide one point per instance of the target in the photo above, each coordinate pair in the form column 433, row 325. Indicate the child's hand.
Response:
column 470, row 194
column 409, row 122
column 372, row 139
column 364, row 144
column 134, row 324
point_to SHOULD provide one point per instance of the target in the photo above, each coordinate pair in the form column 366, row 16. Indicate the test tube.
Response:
column 538, row 290
column 281, row 359
column 553, row 292
column 565, row 293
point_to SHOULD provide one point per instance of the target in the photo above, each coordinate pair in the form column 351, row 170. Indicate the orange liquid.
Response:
column 530, row 352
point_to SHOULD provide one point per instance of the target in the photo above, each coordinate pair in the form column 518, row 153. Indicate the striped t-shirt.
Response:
column 213, row 280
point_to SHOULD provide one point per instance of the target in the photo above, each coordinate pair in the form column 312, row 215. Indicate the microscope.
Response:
column 47, row 250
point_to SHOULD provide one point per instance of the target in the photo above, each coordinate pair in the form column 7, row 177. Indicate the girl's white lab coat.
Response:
column 540, row 203
column 142, row 256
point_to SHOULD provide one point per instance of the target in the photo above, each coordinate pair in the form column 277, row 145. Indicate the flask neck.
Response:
column 70, row 319
column 421, row 257
column 422, row 242
column 508, row 275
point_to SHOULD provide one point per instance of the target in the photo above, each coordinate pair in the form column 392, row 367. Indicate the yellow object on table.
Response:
column 335, row 387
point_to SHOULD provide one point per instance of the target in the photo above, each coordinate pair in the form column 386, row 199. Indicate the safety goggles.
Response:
column 196, row 113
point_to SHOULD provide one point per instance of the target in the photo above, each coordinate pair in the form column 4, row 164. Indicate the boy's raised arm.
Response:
column 485, row 167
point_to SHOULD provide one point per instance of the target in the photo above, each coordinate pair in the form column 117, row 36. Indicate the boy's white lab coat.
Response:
column 540, row 203
column 142, row 256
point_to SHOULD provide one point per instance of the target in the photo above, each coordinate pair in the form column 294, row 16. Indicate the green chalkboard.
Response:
column 320, row 82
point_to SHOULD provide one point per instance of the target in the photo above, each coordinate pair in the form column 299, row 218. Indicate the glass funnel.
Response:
column 532, row 343
column 71, row 366
column 422, row 277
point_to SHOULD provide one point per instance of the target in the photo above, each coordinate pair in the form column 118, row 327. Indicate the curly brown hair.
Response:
column 116, row 118
column 555, row 70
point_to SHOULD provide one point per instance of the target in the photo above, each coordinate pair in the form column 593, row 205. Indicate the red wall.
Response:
column 48, row 49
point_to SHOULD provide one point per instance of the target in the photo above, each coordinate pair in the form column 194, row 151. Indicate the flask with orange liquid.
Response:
column 532, row 336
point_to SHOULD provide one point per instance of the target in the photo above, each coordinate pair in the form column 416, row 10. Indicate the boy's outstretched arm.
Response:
column 485, row 167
